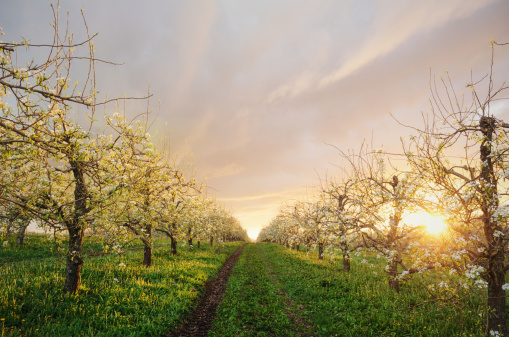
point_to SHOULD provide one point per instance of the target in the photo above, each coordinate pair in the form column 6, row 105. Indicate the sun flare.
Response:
column 433, row 224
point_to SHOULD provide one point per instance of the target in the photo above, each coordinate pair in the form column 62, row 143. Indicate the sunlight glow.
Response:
column 433, row 224
column 253, row 233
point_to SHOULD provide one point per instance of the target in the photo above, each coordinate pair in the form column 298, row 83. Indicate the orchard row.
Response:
column 75, row 171
column 455, row 169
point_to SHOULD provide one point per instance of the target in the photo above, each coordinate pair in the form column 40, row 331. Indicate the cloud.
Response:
column 256, row 89
column 226, row 171
column 193, row 29
column 393, row 25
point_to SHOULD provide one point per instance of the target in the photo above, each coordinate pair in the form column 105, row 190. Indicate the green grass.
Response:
column 39, row 246
column 336, row 303
column 251, row 305
column 113, row 300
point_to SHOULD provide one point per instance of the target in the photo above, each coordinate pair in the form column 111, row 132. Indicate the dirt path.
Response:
column 200, row 321
column 302, row 328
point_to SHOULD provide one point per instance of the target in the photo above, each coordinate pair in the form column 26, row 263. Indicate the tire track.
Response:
column 200, row 322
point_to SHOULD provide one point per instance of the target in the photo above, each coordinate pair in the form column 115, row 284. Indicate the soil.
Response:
column 200, row 322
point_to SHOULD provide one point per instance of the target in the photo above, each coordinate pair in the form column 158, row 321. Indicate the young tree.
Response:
column 383, row 197
column 462, row 151
column 343, row 217
column 41, row 131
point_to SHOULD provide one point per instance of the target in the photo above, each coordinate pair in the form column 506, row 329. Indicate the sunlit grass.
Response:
column 113, row 300
column 360, row 303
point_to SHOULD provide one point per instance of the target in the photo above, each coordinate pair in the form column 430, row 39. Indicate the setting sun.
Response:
column 433, row 224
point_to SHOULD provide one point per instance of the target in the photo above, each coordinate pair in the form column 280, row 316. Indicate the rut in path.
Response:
column 200, row 321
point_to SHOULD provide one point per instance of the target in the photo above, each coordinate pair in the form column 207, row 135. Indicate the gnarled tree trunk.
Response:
column 76, row 229
column 74, row 261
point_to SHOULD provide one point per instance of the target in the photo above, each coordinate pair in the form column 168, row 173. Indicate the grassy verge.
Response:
column 360, row 303
column 114, row 300
column 251, row 305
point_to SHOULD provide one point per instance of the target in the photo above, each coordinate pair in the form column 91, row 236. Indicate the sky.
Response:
column 262, row 94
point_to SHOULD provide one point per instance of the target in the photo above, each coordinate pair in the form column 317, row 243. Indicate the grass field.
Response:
column 118, row 296
column 251, row 305
column 272, row 291
column 296, row 292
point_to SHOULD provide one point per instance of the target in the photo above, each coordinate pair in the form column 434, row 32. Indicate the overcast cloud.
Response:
column 255, row 89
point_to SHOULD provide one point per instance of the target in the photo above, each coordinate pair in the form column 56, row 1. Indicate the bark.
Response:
column 320, row 251
column 74, row 261
column 190, row 238
column 393, row 274
column 76, row 229
column 173, row 245
column 147, row 248
column 497, row 320
column 198, row 244
column 346, row 262
column 298, row 248
column 211, row 241
column 147, row 254
column 21, row 234
column 495, row 275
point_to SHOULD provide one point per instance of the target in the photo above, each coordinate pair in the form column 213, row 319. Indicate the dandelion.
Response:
column 116, row 280
column 121, row 264
column 6, row 244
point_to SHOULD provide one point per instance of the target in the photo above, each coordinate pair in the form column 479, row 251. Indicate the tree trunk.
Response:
column 298, row 247
column 147, row 248
column 190, row 238
column 211, row 241
column 74, row 261
column 320, row 251
column 147, row 254
column 393, row 274
column 346, row 262
column 496, row 297
column 21, row 234
column 76, row 229
column 173, row 245
column 495, row 275
column 198, row 244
